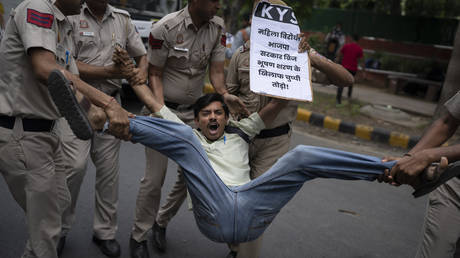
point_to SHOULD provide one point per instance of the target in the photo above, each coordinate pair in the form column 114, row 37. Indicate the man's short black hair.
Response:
column 207, row 99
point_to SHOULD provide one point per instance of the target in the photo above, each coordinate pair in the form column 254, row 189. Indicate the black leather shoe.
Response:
column 138, row 250
column 232, row 254
column 159, row 237
column 60, row 245
column 109, row 247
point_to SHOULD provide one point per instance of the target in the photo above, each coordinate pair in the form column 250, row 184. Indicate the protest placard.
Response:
column 276, row 67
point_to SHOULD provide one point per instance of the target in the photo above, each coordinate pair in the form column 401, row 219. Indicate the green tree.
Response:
column 432, row 8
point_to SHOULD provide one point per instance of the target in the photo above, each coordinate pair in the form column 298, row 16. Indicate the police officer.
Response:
column 273, row 142
column 181, row 47
column 98, row 30
column 36, row 41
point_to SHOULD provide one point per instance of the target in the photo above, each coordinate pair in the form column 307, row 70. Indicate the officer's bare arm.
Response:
column 93, row 72
column 44, row 61
column 217, row 78
column 143, row 66
column 269, row 112
column 336, row 73
column 146, row 96
column 156, row 82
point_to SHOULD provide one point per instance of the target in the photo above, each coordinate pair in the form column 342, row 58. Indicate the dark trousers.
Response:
column 340, row 89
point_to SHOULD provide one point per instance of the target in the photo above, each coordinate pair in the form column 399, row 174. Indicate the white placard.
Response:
column 276, row 67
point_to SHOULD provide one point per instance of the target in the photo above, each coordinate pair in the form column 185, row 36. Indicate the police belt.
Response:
column 277, row 131
column 175, row 106
column 28, row 124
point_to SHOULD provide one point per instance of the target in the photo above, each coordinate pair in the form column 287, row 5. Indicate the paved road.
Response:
column 327, row 218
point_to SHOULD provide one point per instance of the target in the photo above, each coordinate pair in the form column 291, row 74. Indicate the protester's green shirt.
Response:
column 228, row 154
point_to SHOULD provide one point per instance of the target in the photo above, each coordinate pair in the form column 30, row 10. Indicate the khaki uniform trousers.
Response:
column 441, row 231
column 263, row 153
column 104, row 150
column 148, row 199
column 33, row 167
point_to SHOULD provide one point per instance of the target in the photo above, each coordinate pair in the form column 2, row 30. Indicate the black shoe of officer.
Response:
column 232, row 254
column 109, row 247
column 159, row 237
column 138, row 250
column 60, row 245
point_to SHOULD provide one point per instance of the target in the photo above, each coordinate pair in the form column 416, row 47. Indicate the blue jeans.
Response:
column 241, row 214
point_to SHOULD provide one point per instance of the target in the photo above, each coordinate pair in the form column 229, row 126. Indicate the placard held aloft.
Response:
column 276, row 67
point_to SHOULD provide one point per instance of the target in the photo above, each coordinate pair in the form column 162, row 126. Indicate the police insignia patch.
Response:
column 44, row 20
column 223, row 40
column 180, row 39
column 84, row 24
column 155, row 43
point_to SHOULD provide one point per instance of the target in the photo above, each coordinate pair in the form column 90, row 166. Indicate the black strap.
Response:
column 277, row 131
column 236, row 130
column 28, row 124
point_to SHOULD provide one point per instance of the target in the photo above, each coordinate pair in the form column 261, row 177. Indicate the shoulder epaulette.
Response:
column 219, row 21
column 121, row 11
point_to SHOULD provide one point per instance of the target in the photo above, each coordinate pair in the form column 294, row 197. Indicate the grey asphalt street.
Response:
column 327, row 218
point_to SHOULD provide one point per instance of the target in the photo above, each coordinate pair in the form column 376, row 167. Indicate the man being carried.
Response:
column 228, row 206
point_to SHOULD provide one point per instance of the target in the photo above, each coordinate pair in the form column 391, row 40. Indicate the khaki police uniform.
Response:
column 272, row 142
column 31, row 159
column 184, row 52
column 94, row 44
column 441, row 230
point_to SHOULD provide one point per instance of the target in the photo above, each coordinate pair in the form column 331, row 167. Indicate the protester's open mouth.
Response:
column 213, row 127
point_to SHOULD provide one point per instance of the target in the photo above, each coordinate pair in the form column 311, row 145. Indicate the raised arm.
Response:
column 271, row 110
column 217, row 78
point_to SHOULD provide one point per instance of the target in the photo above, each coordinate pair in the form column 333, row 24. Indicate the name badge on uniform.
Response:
column 181, row 49
column 87, row 33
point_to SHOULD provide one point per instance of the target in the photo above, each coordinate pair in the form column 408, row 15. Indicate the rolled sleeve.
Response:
column 251, row 125
column 134, row 45
column 453, row 106
column 165, row 113
column 36, row 31
column 158, row 47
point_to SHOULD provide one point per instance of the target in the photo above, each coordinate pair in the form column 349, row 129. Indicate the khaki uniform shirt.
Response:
column 184, row 52
column 34, row 23
column 228, row 155
column 237, row 83
column 95, row 41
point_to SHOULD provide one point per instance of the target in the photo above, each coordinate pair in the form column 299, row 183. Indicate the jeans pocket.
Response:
column 207, row 224
column 259, row 223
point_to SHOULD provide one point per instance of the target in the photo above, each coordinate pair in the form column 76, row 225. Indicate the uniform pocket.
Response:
column 178, row 59
column 87, row 47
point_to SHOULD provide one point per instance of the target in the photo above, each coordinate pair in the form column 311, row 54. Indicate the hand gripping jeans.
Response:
column 241, row 214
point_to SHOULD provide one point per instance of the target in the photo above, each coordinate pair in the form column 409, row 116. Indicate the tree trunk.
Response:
column 231, row 14
column 452, row 81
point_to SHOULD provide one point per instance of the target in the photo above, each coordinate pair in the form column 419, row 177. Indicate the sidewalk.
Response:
column 379, row 96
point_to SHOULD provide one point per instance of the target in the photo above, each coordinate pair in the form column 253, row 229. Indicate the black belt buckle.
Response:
column 274, row 132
